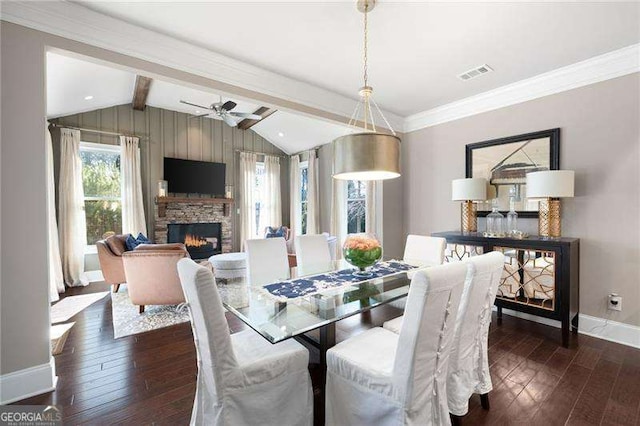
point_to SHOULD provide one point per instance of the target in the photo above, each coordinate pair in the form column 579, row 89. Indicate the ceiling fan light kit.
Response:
column 367, row 154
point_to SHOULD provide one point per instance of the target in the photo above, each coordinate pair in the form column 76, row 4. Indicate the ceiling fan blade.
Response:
column 229, row 120
column 229, row 105
column 201, row 115
column 246, row 115
column 195, row 105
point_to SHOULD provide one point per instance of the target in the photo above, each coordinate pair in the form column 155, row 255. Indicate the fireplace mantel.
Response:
column 163, row 201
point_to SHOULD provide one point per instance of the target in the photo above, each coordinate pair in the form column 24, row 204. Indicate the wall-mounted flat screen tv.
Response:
column 188, row 176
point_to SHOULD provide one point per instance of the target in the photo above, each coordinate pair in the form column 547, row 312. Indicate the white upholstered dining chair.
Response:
column 267, row 261
column 422, row 250
column 469, row 364
column 242, row 378
column 312, row 253
column 382, row 378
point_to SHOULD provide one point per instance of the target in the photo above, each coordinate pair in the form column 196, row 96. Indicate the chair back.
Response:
column 267, row 260
column 424, row 343
column 312, row 251
column 211, row 333
column 472, row 327
column 421, row 250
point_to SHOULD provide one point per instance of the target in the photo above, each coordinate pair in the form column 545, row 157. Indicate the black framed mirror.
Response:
column 505, row 162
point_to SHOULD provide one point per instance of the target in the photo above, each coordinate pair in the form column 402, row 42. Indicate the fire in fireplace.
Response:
column 201, row 239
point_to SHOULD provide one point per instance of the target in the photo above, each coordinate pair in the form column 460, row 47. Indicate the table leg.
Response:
column 327, row 340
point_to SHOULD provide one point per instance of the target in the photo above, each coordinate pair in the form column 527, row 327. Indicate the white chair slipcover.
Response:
column 267, row 260
column 419, row 250
column 242, row 378
column 469, row 365
column 382, row 378
column 312, row 253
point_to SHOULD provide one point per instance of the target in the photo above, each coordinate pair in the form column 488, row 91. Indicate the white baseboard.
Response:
column 613, row 331
column 29, row 382
column 600, row 328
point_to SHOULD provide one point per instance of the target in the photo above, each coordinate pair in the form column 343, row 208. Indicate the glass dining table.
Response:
column 314, row 298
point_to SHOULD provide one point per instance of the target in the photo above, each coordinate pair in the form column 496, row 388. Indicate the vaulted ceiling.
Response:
column 76, row 85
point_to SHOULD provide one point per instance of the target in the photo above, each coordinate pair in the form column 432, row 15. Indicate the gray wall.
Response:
column 600, row 140
column 24, row 313
column 174, row 134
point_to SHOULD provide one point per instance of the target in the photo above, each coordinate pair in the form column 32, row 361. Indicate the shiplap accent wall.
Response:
column 167, row 133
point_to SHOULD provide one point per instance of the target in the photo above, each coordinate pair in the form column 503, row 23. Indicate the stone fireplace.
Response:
column 207, row 223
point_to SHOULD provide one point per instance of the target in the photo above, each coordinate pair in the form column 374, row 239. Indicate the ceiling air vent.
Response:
column 475, row 72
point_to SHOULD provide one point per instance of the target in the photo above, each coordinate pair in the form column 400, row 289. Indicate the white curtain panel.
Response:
column 248, row 162
column 56, row 279
column 339, row 213
column 133, row 221
column 72, row 227
column 371, row 220
column 313, row 195
column 273, row 207
column 294, row 186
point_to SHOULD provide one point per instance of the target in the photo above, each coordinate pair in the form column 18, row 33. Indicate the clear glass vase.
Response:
column 362, row 251
column 495, row 223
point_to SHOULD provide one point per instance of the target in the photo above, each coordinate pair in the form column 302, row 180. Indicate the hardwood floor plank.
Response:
column 622, row 407
column 591, row 404
column 556, row 408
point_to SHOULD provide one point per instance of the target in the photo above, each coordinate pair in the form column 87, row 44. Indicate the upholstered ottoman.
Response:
column 229, row 265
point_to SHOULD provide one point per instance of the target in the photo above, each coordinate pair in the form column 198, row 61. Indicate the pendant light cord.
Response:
column 366, row 32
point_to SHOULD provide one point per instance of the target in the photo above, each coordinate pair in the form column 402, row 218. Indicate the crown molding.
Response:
column 76, row 22
column 599, row 68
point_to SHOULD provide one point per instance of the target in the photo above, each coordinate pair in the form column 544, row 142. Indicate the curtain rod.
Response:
column 102, row 132
column 261, row 153
column 314, row 149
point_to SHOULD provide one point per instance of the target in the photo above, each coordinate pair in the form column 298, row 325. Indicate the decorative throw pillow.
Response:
column 275, row 232
column 132, row 243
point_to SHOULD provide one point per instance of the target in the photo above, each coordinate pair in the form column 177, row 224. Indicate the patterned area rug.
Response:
column 71, row 305
column 127, row 320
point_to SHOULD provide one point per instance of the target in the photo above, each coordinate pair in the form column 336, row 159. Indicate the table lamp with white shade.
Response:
column 550, row 186
column 469, row 191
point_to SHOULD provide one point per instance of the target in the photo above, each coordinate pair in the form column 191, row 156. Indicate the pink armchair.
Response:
column 110, row 251
column 152, row 275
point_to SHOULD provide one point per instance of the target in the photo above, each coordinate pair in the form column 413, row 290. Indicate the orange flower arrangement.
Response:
column 362, row 250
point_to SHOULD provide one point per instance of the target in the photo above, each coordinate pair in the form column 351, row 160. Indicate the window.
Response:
column 259, row 195
column 304, row 189
column 356, row 206
column 101, row 183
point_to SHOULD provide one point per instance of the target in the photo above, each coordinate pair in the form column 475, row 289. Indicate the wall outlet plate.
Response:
column 615, row 302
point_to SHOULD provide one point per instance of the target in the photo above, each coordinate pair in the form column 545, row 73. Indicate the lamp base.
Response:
column 549, row 218
column 468, row 217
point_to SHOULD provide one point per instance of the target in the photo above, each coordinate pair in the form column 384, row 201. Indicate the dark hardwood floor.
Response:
column 149, row 378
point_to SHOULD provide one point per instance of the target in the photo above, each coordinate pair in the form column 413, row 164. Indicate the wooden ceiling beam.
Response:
column 141, row 92
column 263, row 112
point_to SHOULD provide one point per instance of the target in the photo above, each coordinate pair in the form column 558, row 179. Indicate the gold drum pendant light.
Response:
column 366, row 154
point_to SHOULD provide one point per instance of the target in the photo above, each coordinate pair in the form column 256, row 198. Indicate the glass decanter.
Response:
column 512, row 217
column 495, row 219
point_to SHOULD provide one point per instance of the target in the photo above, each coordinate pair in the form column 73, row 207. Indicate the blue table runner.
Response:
column 300, row 287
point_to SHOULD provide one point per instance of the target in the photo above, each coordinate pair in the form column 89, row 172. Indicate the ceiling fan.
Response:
column 223, row 111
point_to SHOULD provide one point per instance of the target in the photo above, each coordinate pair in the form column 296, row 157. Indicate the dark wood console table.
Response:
column 541, row 276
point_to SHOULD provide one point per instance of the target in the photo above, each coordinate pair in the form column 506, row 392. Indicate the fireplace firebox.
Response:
column 201, row 239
